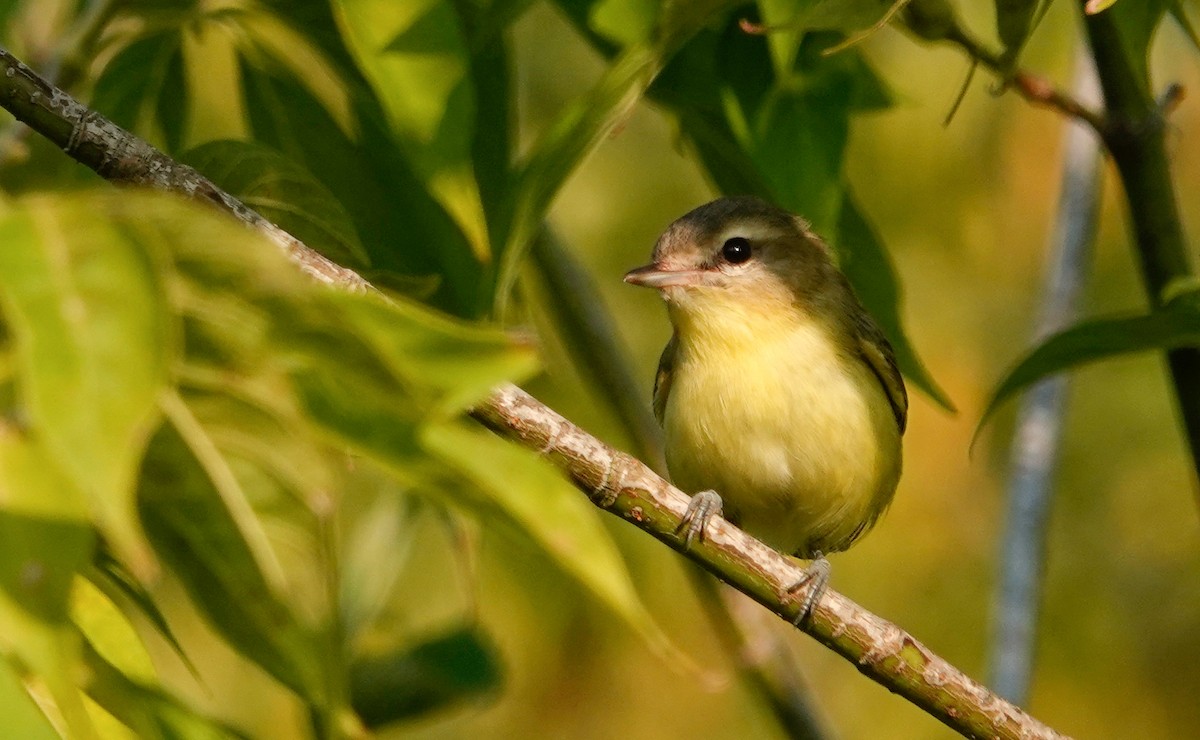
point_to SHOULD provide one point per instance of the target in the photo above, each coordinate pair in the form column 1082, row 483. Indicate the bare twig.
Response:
column 1034, row 88
column 613, row 480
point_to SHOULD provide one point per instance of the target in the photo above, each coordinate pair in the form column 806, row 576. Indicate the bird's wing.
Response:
column 662, row 378
column 881, row 359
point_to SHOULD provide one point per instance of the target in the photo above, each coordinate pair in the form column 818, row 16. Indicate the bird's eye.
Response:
column 736, row 250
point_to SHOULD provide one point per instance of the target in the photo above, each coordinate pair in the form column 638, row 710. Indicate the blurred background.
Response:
column 966, row 211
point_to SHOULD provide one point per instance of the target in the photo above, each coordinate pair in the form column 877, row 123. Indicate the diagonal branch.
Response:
column 615, row 481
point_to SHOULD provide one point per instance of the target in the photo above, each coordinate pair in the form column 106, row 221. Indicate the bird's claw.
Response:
column 703, row 506
column 816, row 578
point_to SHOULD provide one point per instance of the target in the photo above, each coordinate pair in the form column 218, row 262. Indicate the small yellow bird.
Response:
column 777, row 390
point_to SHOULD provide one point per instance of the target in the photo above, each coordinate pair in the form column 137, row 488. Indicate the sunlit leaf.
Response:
column 278, row 43
column 109, row 631
column 538, row 499
column 431, row 675
column 120, row 587
column 459, row 362
column 50, row 655
column 93, row 347
column 624, row 22
column 143, row 89
column 416, row 58
column 39, row 556
column 216, row 102
column 147, row 710
column 581, row 127
column 1175, row 325
column 21, row 716
column 44, row 541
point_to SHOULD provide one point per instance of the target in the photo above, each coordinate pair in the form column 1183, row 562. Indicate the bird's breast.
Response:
column 797, row 436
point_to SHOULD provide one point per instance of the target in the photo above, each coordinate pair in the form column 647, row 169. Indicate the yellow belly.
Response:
column 799, row 440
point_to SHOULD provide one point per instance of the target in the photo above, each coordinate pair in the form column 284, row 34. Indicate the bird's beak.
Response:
column 654, row 276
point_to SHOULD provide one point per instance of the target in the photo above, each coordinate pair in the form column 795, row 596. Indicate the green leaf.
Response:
column 436, row 673
column 179, row 77
column 866, row 264
column 456, row 361
column 92, row 345
column 147, row 710
column 283, row 192
column 394, row 215
column 416, row 58
column 790, row 20
column 21, row 716
column 1095, row 6
column 813, row 129
column 377, row 546
column 1176, row 325
column 575, row 134
column 45, row 540
column 39, row 557
column 51, row 654
column 535, row 496
column 269, row 40
column 624, row 22
column 1014, row 23
column 196, row 536
column 119, row 586
column 1135, row 23
column 143, row 90
column 580, row 128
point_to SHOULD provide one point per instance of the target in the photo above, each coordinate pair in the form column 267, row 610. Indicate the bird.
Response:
column 780, row 399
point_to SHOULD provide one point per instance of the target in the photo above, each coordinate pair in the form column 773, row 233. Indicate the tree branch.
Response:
column 613, row 480
column 621, row 485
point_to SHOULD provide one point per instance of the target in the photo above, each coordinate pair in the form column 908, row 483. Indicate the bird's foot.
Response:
column 703, row 506
column 816, row 579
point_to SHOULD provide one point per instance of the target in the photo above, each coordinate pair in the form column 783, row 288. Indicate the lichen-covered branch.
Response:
column 615, row 481
column 118, row 156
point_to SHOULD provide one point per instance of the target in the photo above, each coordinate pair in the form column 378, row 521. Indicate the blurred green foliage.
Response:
column 233, row 503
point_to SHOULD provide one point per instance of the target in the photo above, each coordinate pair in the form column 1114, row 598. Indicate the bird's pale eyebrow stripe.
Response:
column 747, row 230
